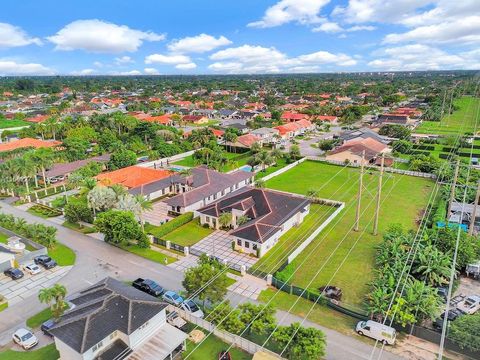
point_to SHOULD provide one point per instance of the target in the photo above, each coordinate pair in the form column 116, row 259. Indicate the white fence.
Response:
column 313, row 235
column 235, row 340
column 167, row 160
column 387, row 169
column 282, row 170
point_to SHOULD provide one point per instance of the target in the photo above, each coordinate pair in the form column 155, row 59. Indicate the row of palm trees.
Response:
column 265, row 158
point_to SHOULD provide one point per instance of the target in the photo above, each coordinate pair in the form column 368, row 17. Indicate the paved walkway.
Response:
column 248, row 286
column 184, row 263
column 219, row 244
column 158, row 214
column 18, row 290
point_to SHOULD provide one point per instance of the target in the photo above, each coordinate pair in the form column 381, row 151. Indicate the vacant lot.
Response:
column 461, row 120
column 404, row 198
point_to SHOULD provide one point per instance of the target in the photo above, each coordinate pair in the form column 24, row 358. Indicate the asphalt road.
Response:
column 96, row 260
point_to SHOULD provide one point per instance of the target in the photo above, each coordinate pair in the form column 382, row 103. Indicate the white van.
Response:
column 377, row 331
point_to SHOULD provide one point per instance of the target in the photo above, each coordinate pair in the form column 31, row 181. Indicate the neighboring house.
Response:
column 352, row 151
column 362, row 133
column 243, row 128
column 132, row 176
column 192, row 192
column 394, row 119
column 38, row 118
column 160, row 119
column 268, row 135
column 218, row 133
column 327, row 118
column 195, row 119
column 28, row 143
column 64, row 170
column 245, row 141
column 292, row 117
column 113, row 320
column 290, row 130
column 226, row 113
column 208, row 113
column 269, row 213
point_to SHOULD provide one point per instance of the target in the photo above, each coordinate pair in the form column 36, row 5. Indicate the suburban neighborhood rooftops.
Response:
column 267, row 210
column 133, row 176
column 26, row 143
column 67, row 168
column 103, row 308
column 361, row 133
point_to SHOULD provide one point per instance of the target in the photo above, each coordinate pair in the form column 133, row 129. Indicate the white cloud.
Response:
column 101, row 37
column 13, row 36
column 424, row 57
column 361, row 28
column 151, row 71
column 187, row 66
column 198, row 44
column 84, row 72
column 285, row 11
column 8, row 67
column 98, row 64
column 258, row 59
column 127, row 73
column 461, row 31
column 329, row 27
column 124, row 60
column 170, row 59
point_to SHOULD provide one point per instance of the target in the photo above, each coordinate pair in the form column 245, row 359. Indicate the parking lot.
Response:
column 18, row 290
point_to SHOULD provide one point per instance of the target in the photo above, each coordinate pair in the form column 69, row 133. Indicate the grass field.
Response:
column 38, row 319
column 293, row 238
column 149, row 254
column 452, row 124
column 12, row 123
column 280, row 164
column 403, row 205
column 48, row 352
column 236, row 161
column 210, row 349
column 63, row 255
column 188, row 234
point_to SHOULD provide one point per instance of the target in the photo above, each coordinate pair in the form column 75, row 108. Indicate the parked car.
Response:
column 148, row 286
column 331, row 292
column 32, row 269
column 453, row 314
column 224, row 355
column 470, row 305
column 46, row 326
column 24, row 338
column 173, row 298
column 46, row 261
column 191, row 307
column 377, row 331
column 175, row 320
column 13, row 273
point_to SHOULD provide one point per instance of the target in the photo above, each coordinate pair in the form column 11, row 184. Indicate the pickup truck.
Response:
column 148, row 286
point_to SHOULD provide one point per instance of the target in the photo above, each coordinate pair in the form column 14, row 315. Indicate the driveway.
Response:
column 158, row 214
column 219, row 244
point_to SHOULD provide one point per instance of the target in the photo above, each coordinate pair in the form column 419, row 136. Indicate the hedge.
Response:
column 424, row 147
column 173, row 224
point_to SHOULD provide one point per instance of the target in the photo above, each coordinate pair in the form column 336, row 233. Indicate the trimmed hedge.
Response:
column 424, row 147
column 173, row 224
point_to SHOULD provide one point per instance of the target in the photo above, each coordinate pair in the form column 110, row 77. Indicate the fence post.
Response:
column 269, row 279
column 150, row 238
column 167, row 244
column 186, row 250
column 243, row 270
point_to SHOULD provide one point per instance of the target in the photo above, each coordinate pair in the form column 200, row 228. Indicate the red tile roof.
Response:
column 327, row 118
column 132, row 176
column 293, row 116
column 27, row 142
column 247, row 140
column 38, row 118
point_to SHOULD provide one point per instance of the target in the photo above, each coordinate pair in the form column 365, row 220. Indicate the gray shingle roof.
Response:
column 103, row 308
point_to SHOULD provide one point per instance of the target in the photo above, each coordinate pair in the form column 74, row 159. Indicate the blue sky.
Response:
column 206, row 37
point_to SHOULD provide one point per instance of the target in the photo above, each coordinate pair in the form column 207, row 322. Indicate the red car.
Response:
column 224, row 355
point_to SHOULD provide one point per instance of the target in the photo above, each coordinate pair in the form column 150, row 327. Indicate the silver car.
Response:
column 32, row 269
column 25, row 338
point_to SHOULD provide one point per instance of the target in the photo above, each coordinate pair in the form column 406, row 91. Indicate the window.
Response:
column 97, row 346
column 254, row 246
column 239, row 242
column 207, row 219
column 247, row 244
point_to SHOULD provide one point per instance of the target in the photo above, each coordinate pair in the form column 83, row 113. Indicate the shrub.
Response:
column 173, row 224
column 78, row 211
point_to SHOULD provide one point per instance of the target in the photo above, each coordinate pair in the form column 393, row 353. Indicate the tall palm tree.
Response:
column 264, row 158
column 144, row 205
column 44, row 158
column 55, row 298
column 25, row 169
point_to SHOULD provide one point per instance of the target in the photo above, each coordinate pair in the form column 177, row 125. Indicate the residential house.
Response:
column 267, row 135
column 113, row 320
column 362, row 133
column 208, row 113
column 226, row 113
column 352, row 151
column 132, row 176
column 63, row 170
column 327, row 118
column 269, row 214
column 292, row 117
column 37, row 118
column 28, row 143
column 195, row 119
column 290, row 130
column 394, row 119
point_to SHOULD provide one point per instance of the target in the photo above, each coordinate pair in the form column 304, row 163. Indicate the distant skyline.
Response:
column 148, row 37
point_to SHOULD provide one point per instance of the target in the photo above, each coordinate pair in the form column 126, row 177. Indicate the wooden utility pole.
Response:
column 474, row 212
column 359, row 196
column 452, row 190
column 379, row 194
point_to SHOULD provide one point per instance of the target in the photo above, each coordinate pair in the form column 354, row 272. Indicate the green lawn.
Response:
column 210, row 349
column 3, row 238
column 48, row 352
column 3, row 306
column 149, row 254
column 12, row 123
column 38, row 319
column 236, row 161
column 452, row 124
column 280, row 164
column 62, row 254
column 188, row 234
column 293, row 238
column 76, row 227
column 404, row 206
column 44, row 211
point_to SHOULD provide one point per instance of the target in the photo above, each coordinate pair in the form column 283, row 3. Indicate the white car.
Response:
column 32, row 269
column 25, row 338
column 192, row 308
column 470, row 305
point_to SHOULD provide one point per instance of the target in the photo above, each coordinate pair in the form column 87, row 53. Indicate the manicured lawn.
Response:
column 187, row 161
column 3, row 238
column 44, row 211
column 149, row 254
column 280, row 164
column 210, row 349
column 453, row 123
column 62, row 254
column 293, row 238
column 3, row 306
column 236, row 161
column 404, row 205
column 38, row 319
column 11, row 123
column 48, row 352
column 188, row 234
column 76, row 227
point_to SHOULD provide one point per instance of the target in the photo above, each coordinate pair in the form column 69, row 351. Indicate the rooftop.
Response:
column 133, row 176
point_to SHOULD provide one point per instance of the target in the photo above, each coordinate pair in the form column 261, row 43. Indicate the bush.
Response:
column 465, row 332
column 78, row 211
column 42, row 234
column 173, row 224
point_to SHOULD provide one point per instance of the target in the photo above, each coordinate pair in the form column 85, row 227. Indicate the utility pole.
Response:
column 359, row 196
column 474, row 213
column 379, row 194
column 452, row 190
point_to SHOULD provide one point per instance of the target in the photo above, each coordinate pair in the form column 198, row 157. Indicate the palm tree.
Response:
column 312, row 194
column 276, row 154
column 225, row 219
column 433, row 266
column 25, row 169
column 144, row 205
column 264, row 159
column 55, row 298
column 260, row 184
column 44, row 158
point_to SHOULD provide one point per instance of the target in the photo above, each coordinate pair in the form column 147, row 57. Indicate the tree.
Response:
column 120, row 227
column 255, row 148
column 433, row 266
column 122, row 158
column 227, row 318
column 465, row 332
column 260, row 184
column 44, row 158
column 299, row 342
column 243, row 219
column 101, row 198
column 225, row 220
column 264, row 159
column 468, row 247
column 326, row 145
column 208, row 272
column 76, row 148
column 77, row 211
column 294, row 152
column 402, row 146
column 55, row 298
column 260, row 319
column 395, row 131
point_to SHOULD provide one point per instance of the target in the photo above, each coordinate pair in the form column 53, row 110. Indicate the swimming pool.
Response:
column 246, row 168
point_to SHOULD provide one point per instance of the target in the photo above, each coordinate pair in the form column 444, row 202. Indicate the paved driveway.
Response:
column 219, row 244
column 158, row 214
